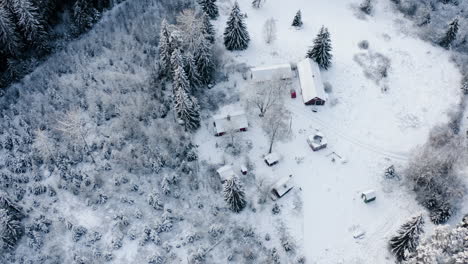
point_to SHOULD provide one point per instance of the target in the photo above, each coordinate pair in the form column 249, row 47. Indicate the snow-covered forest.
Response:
column 178, row 131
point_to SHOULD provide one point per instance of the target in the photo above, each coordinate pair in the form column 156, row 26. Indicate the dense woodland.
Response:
column 112, row 125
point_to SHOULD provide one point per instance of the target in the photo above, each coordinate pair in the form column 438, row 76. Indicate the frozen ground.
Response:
column 371, row 128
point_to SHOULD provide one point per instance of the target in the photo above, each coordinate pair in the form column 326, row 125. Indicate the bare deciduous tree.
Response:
column 266, row 95
column 269, row 31
column 73, row 126
column 43, row 144
column 276, row 124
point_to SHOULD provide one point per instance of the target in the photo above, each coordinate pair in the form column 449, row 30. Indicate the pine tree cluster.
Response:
column 321, row 50
column 185, row 57
column 407, row 238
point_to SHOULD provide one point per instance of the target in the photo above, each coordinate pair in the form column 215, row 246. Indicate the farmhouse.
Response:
column 310, row 80
column 271, row 73
column 235, row 121
column 283, row 186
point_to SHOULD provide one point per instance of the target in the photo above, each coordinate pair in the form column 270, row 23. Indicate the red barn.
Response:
column 313, row 92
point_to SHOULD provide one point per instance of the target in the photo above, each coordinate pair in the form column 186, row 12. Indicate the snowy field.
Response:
column 371, row 128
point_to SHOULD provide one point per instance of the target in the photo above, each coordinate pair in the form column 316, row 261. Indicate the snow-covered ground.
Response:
column 371, row 128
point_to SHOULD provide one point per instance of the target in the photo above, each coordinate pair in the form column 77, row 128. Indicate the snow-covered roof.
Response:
column 225, row 172
column 273, row 72
column 310, row 80
column 283, row 185
column 317, row 140
column 369, row 194
column 231, row 121
column 272, row 158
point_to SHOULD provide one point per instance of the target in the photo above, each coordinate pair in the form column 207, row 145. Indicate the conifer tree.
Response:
column 321, row 50
column 186, row 106
column 407, row 238
column 297, row 22
column 204, row 61
column 191, row 70
column 450, row 35
column 28, row 20
column 180, row 80
column 210, row 8
column 164, row 50
column 257, row 3
column 234, row 194
column 9, row 40
column 177, row 60
column 207, row 28
column 11, row 230
column 236, row 36
column 84, row 15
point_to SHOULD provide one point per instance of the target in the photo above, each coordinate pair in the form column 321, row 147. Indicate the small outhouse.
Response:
column 271, row 159
column 368, row 196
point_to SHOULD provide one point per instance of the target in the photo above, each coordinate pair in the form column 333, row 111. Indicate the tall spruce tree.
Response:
column 407, row 238
column 297, row 22
column 207, row 28
column 186, row 106
column 177, row 60
column 29, row 21
column 9, row 39
column 236, row 36
column 210, row 8
column 234, row 194
column 164, row 48
column 191, row 70
column 321, row 50
column 451, row 34
column 204, row 61
column 180, row 80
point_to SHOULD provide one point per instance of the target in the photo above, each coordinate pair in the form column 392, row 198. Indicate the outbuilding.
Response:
column 271, row 73
column 368, row 196
column 312, row 89
column 281, row 187
column 230, row 122
column 317, row 141
column 225, row 172
column 271, row 159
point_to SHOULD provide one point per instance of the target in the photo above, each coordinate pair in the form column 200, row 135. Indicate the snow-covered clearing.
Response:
column 371, row 128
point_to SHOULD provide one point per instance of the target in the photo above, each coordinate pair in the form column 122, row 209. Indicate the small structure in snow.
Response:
column 313, row 92
column 281, row 187
column 293, row 93
column 244, row 170
column 271, row 73
column 317, row 141
column 271, row 159
column 359, row 234
column 235, row 121
column 225, row 172
column 368, row 196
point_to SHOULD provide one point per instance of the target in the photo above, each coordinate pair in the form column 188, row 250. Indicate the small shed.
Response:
column 293, row 93
column 271, row 159
column 233, row 121
column 244, row 170
column 225, row 172
column 281, row 187
column 317, row 141
column 313, row 91
column 368, row 196
column 271, row 73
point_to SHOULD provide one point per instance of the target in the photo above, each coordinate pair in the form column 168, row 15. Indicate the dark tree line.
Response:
column 27, row 30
